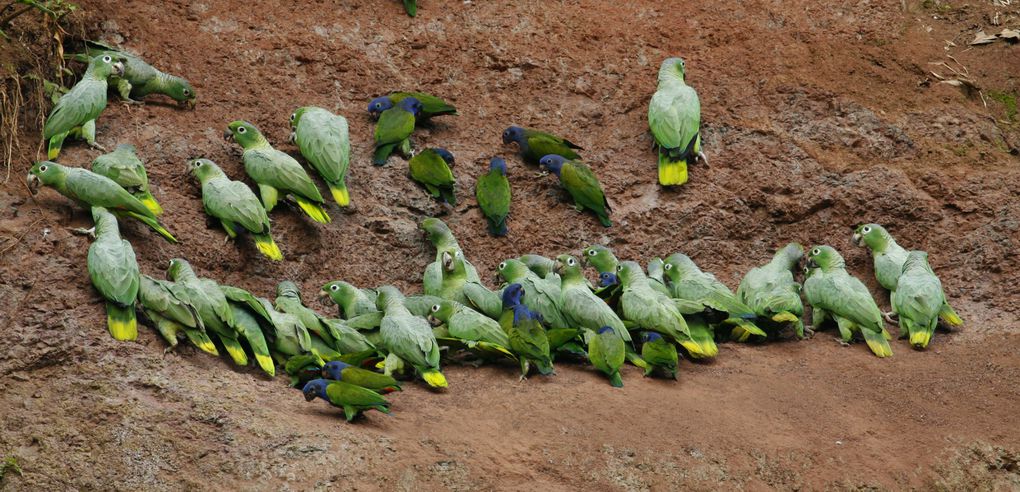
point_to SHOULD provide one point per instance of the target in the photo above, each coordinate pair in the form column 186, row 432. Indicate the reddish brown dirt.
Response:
column 817, row 116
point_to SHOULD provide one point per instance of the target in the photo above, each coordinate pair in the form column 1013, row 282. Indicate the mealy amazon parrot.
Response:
column 456, row 286
column 889, row 258
column 834, row 293
column 139, row 78
column 324, row 141
column 125, row 168
column 76, row 112
column 657, row 276
column 607, row 351
column 442, row 239
column 351, row 300
column 93, row 190
column 291, row 337
column 600, row 257
column 470, row 326
column 578, row 179
column 207, row 298
column 580, row 307
column 288, row 300
column 114, row 272
column 430, row 105
column 527, row 335
column 690, row 283
column 235, row 206
column 276, row 172
column 533, row 145
column 431, row 169
column 394, row 128
column 409, row 337
column 674, row 116
column 492, row 190
column 252, row 321
column 543, row 294
column 918, row 300
column 652, row 310
column 351, row 398
column 171, row 316
column 659, row 353
column 772, row 293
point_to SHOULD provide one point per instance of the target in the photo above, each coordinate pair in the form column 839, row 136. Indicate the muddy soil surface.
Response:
column 817, row 116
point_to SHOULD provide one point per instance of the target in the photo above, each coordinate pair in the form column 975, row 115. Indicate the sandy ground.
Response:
column 817, row 116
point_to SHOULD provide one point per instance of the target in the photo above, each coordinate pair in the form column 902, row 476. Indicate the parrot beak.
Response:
column 856, row 238
column 292, row 138
column 33, row 183
column 119, row 68
column 434, row 321
column 228, row 135
column 811, row 264
column 558, row 267
column 188, row 103
column 447, row 261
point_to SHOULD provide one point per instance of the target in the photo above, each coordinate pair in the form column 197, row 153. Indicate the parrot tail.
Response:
column 785, row 317
column 949, row 316
column 616, row 380
column 604, row 220
column 150, row 202
column 749, row 329
column 411, row 6
column 497, row 229
column 701, row 345
column 493, row 347
column 382, row 154
column 636, row 359
column 671, row 172
column 266, row 363
column 920, row 336
column 268, row 247
column 544, row 367
column 122, row 321
column 877, row 342
column 56, row 142
column 314, row 210
column 155, row 225
column 434, row 378
column 200, row 339
column 340, row 194
column 235, row 350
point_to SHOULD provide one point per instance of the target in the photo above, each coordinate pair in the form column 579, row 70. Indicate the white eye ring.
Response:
column 667, row 266
column 198, row 163
column 107, row 59
column 171, row 262
column 186, row 92
column 43, row 168
column 619, row 268
column 816, row 252
column 501, row 266
column 435, row 309
column 292, row 116
column 334, row 287
column 592, row 252
column 242, row 129
column 866, row 229
column 570, row 261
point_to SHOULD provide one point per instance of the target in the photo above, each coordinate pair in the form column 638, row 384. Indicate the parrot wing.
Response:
column 582, row 184
column 493, row 194
column 114, row 270
column 233, row 201
column 588, row 311
column 323, row 139
column 279, row 170
column 394, row 126
column 846, row 297
column 674, row 116
column 83, row 103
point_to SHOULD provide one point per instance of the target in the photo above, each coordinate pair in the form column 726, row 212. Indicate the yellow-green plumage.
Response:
column 114, row 272
column 324, row 140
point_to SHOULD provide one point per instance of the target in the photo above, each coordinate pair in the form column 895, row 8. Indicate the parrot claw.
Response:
column 95, row 145
column 809, row 332
column 131, row 102
column 890, row 317
column 84, row 232
column 842, row 342
column 541, row 174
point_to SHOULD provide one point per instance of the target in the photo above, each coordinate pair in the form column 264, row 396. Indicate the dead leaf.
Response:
column 982, row 38
column 968, row 87
column 1010, row 35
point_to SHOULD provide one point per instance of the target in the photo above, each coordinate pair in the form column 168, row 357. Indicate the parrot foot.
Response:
column 523, row 378
column 541, row 174
column 703, row 158
column 809, row 332
column 131, row 102
column 890, row 317
column 84, row 232
column 842, row 342
column 95, row 145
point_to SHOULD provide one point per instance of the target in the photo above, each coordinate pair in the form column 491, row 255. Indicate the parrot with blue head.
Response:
column 535, row 144
column 430, row 105
column 582, row 184
column 527, row 335
column 394, row 128
column 659, row 353
column 337, row 370
column 492, row 190
column 353, row 399
column 606, row 351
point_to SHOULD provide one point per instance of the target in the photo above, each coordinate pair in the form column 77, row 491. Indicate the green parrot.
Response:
column 114, row 273
column 303, row 368
column 834, row 293
column 139, row 78
column 659, row 354
column 918, row 300
column 172, row 316
column 674, row 116
column 323, row 140
column 528, row 337
column 889, row 258
column 411, row 7
column 492, row 190
column 657, row 276
column 534, row 144
column 351, row 300
column 352, row 398
column 431, row 168
column 288, row 300
column 578, row 179
column 409, row 337
column 252, row 321
column 338, row 370
column 421, row 305
column 430, row 105
column 455, row 286
column 290, row 335
column 474, row 328
column 276, row 172
column 607, row 352
column 394, row 128
column 539, row 264
column 443, row 240
column 76, row 112
column 543, row 294
column 600, row 257
column 771, row 291
column 652, row 310
column 92, row 190
column 580, row 307
column 125, row 168
column 234, row 205
column 689, row 283
column 207, row 298
column 346, row 337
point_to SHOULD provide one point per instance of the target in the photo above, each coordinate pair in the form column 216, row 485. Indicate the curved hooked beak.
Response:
column 292, row 138
column 33, row 183
column 228, row 135
column 119, row 68
column 811, row 264
column 187, row 103
column 323, row 294
column 309, row 395
column 434, row 321
column 558, row 267
column 857, row 239
column 447, row 261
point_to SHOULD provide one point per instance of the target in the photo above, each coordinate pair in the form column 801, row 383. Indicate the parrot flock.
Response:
column 545, row 310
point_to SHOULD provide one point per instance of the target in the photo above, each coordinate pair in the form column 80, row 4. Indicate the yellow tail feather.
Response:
column 268, row 247
column 672, row 173
column 949, row 316
column 314, row 210
column 700, row 351
column 785, row 317
column 877, row 343
column 266, row 363
column 151, row 204
column 340, row 194
column 122, row 322
column 201, row 341
column 434, row 378
column 235, row 350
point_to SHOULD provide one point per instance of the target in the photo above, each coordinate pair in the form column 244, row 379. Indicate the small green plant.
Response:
column 9, row 463
column 54, row 9
column 1008, row 101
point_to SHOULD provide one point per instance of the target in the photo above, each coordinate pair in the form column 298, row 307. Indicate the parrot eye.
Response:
column 619, row 268
column 435, row 309
column 292, row 116
column 866, row 229
column 816, row 252
column 198, row 163
column 501, row 266
column 186, row 92
column 591, row 252
column 242, row 129
column 667, row 266
column 570, row 261
column 459, row 254
column 107, row 59
column 43, row 168
column 334, row 287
